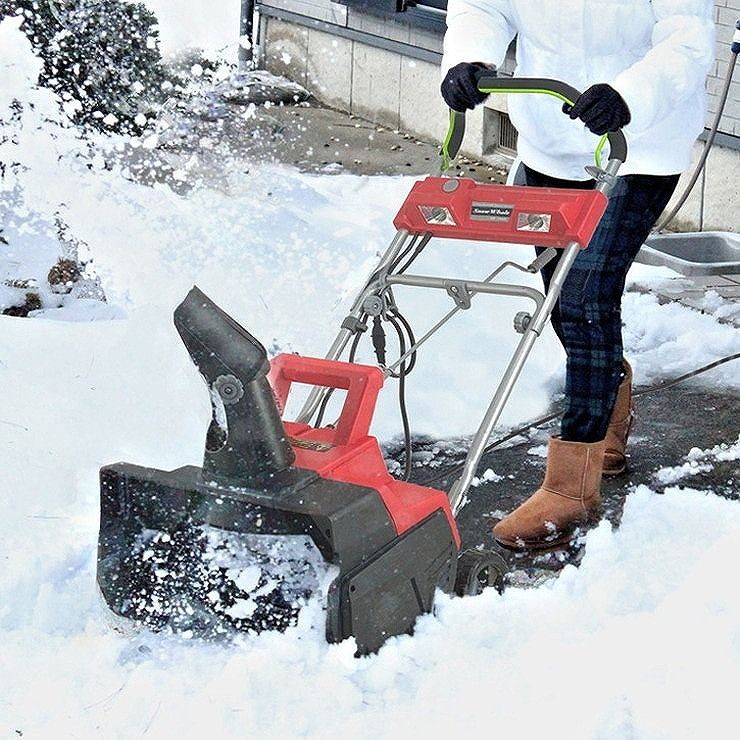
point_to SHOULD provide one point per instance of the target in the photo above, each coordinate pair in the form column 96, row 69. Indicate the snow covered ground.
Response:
column 643, row 640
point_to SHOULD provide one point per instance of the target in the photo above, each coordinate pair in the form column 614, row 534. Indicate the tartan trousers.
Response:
column 587, row 317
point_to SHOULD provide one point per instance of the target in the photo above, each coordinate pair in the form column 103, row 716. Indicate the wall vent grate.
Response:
column 507, row 134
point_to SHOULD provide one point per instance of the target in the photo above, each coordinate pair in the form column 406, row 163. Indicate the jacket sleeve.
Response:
column 675, row 67
column 477, row 31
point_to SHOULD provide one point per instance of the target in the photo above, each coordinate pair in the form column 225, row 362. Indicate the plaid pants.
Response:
column 587, row 317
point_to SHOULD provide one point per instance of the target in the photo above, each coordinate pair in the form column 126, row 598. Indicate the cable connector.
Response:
column 355, row 325
column 379, row 341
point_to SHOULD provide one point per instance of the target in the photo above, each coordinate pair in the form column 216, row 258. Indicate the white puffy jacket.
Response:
column 655, row 53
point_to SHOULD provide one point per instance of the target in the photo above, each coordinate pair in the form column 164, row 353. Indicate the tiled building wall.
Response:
column 728, row 12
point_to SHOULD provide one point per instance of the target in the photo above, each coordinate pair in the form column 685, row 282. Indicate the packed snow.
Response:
column 699, row 461
column 640, row 641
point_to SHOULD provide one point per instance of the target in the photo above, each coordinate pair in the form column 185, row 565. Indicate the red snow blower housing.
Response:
column 394, row 542
column 266, row 481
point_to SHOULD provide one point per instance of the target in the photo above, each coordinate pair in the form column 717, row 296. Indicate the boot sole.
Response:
column 520, row 545
column 614, row 472
column 538, row 545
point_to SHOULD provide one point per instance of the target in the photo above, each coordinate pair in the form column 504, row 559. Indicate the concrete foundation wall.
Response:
column 381, row 86
column 397, row 91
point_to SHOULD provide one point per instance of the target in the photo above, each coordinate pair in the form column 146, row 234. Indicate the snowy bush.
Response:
column 38, row 146
column 101, row 56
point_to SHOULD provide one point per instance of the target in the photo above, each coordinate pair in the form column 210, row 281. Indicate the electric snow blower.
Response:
column 243, row 542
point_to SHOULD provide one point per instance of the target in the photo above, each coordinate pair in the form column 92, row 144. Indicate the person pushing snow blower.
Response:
column 241, row 542
column 642, row 65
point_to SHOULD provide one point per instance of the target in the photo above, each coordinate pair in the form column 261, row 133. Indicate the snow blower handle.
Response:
column 362, row 383
column 560, row 90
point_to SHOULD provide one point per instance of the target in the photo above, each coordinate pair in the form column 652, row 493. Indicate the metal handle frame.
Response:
column 383, row 279
column 380, row 284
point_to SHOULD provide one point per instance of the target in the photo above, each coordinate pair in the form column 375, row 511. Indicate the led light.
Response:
column 437, row 215
column 534, row 222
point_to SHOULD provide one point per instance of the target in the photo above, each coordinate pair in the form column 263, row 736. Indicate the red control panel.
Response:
column 464, row 209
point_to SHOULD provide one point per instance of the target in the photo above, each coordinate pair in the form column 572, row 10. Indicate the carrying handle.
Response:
column 362, row 383
column 488, row 83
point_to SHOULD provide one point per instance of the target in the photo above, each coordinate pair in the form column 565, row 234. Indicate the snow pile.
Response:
column 665, row 340
column 640, row 641
column 489, row 476
column 38, row 146
column 721, row 308
column 699, row 461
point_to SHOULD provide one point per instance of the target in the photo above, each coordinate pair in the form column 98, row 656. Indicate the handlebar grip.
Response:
column 562, row 90
column 529, row 84
column 362, row 383
column 455, row 135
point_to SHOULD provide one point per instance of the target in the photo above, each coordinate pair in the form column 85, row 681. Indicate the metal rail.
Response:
column 501, row 289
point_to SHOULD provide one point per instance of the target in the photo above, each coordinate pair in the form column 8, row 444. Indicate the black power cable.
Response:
column 544, row 419
column 412, row 339
column 411, row 247
column 402, row 373
column 417, row 251
column 400, row 324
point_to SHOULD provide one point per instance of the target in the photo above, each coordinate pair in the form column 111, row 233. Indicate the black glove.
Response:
column 460, row 85
column 601, row 108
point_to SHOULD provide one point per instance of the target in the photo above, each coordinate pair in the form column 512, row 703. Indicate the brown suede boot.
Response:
column 569, row 496
column 620, row 426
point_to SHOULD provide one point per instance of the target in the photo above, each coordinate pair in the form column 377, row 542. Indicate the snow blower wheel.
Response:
column 478, row 570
